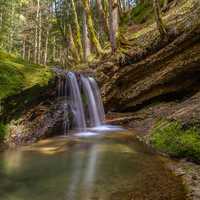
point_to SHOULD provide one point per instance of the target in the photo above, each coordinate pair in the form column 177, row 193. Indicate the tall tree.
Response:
column 103, row 21
column 158, row 17
column 86, row 41
column 165, row 4
column 92, row 33
column 36, row 32
column 77, row 29
column 114, row 23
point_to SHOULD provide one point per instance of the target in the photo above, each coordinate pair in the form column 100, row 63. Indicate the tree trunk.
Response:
column 120, row 8
column 29, row 54
column 114, row 23
column 102, row 17
column 72, row 46
column 35, row 44
column 12, row 29
column 36, row 33
column 39, row 34
column 1, row 20
column 159, row 22
column 54, row 49
column 78, row 42
column 165, row 5
column 46, row 47
column 86, row 40
column 92, row 33
column 24, row 49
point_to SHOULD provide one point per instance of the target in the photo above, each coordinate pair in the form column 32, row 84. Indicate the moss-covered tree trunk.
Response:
column 102, row 17
column 165, row 5
column 78, row 41
column 86, row 40
column 114, row 23
column 92, row 33
column 72, row 45
column 159, row 22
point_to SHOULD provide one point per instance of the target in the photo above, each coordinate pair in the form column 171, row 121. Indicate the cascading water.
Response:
column 75, row 101
column 83, row 107
column 93, row 108
column 98, row 100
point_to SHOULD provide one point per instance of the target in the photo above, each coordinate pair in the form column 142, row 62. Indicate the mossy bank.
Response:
column 23, row 85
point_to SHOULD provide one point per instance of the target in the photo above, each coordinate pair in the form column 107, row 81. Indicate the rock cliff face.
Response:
column 162, row 75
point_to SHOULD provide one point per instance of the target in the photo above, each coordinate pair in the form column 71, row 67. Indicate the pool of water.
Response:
column 112, row 166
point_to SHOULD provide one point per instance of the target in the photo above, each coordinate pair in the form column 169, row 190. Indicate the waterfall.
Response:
column 75, row 101
column 94, row 114
column 62, row 93
column 81, row 99
column 98, row 99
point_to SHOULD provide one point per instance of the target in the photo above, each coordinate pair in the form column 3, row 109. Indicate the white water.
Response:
column 98, row 100
column 75, row 101
column 83, row 107
column 94, row 114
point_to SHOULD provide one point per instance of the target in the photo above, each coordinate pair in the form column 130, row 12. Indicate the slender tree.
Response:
column 86, row 41
column 158, row 17
column 103, row 21
column 36, row 32
column 114, row 23
column 92, row 33
column 77, row 29
column 165, row 4
column 39, row 35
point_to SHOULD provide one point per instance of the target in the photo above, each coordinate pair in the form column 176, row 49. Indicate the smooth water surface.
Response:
column 112, row 166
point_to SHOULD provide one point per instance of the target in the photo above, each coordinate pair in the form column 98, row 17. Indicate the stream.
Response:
column 106, row 166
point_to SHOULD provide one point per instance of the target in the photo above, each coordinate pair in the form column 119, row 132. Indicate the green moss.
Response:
column 3, row 130
column 172, row 138
column 142, row 13
column 139, row 14
column 17, row 75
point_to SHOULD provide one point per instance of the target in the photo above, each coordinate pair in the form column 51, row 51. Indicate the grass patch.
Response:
column 17, row 75
column 172, row 138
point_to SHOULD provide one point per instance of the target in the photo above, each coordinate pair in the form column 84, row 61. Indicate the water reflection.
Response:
column 90, row 173
column 12, row 161
column 107, row 167
column 75, row 177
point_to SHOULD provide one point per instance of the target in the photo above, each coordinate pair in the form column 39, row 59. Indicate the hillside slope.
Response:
column 17, row 75
column 152, row 70
column 21, row 86
column 151, row 79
